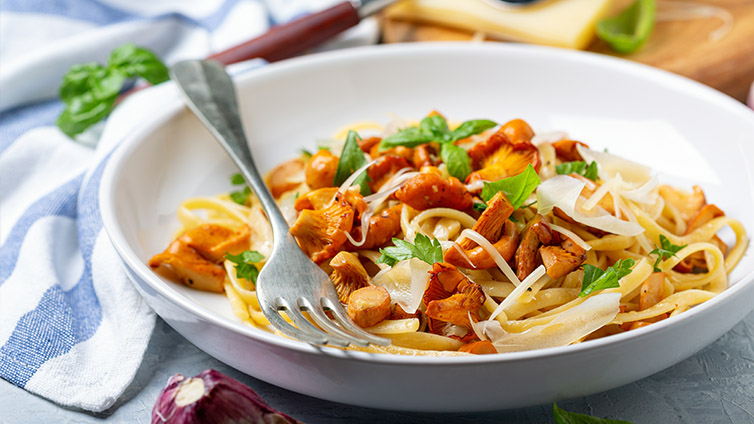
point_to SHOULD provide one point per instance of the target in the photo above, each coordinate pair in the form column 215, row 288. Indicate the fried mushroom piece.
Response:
column 213, row 241
column 321, row 233
column 561, row 260
column 368, row 306
column 494, row 226
column 426, row 191
column 384, row 168
column 687, row 203
column 566, row 150
column 182, row 264
column 321, row 198
column 696, row 261
column 537, row 232
column 285, row 177
column 499, row 157
column 348, row 275
column 382, row 228
column 321, row 169
column 425, row 155
column 457, row 308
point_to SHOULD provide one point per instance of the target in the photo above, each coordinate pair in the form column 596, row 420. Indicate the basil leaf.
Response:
column 517, row 189
column 469, row 128
column 435, row 125
column 237, row 179
column 423, row 248
column 351, row 159
column 89, row 90
column 241, row 196
column 597, row 279
column 434, row 128
column 665, row 251
column 564, row 417
column 244, row 264
column 480, row 206
column 135, row 61
column 628, row 31
column 90, row 106
column 592, row 172
column 456, row 159
column 566, row 168
column 409, row 137
column 578, row 167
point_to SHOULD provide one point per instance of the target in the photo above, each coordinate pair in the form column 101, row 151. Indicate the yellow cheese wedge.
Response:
column 560, row 23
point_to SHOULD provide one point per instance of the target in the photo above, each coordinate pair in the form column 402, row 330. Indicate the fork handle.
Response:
column 210, row 94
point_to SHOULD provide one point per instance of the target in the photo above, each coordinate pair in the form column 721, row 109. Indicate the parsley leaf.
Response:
column 90, row 90
column 244, row 263
column 479, row 206
column 578, row 167
column 565, row 417
column 351, row 159
column 423, row 248
column 240, row 196
column 597, row 279
column 665, row 251
column 456, row 159
column 517, row 189
column 434, row 128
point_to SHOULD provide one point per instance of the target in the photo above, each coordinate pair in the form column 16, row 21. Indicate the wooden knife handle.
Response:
column 284, row 41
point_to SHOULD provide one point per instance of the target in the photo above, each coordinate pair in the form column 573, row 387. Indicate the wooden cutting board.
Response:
column 681, row 46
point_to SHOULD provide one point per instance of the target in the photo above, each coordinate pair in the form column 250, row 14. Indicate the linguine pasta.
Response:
column 484, row 239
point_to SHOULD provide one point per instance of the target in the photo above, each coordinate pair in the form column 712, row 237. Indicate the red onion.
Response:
column 213, row 397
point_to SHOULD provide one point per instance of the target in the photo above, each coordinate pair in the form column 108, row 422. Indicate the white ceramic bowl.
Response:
column 688, row 132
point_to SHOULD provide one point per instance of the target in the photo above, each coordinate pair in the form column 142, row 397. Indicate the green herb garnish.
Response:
column 628, row 31
column 456, row 159
column 240, row 196
column 597, row 279
column 479, row 206
column 435, row 128
column 564, row 417
column 89, row 90
column 244, row 263
column 517, row 188
column 664, row 251
column 578, row 167
column 305, row 153
column 424, row 248
column 351, row 159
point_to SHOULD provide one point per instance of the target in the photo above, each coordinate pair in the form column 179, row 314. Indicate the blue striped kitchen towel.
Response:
column 72, row 328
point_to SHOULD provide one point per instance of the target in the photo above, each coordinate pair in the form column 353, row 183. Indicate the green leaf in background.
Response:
column 434, row 128
column 578, row 167
column 630, row 30
column 135, row 61
column 596, row 279
column 244, row 264
column 517, row 188
column 90, row 90
column 564, row 417
column 351, row 159
column 456, row 159
column 664, row 251
column 424, row 248
column 469, row 128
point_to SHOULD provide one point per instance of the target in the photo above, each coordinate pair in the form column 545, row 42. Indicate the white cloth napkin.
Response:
column 72, row 327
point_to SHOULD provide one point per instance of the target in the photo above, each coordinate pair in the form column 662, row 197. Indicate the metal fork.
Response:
column 289, row 281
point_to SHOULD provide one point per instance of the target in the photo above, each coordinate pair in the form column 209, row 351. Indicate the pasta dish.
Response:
column 468, row 238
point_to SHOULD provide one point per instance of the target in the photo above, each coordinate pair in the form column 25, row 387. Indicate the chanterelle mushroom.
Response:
column 348, row 275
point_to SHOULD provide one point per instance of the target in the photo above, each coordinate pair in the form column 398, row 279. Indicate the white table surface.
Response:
column 714, row 386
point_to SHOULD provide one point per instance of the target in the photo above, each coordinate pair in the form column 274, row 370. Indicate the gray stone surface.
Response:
column 714, row 386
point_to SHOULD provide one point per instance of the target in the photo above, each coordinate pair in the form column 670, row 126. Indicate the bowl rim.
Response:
column 134, row 140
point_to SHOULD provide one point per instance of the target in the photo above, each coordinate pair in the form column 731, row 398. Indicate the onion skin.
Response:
column 224, row 401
